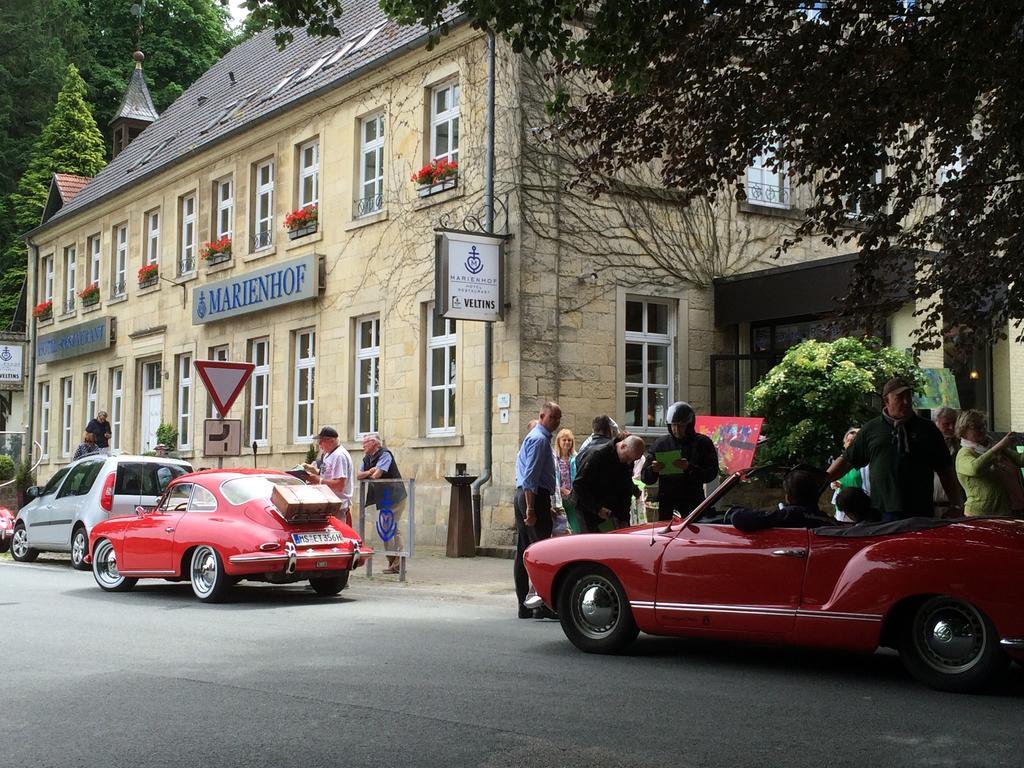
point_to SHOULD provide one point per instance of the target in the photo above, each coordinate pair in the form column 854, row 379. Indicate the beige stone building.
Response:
column 612, row 305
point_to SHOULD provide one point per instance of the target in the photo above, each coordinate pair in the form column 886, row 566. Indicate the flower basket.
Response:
column 301, row 222
column 216, row 251
column 148, row 275
column 90, row 296
column 436, row 176
column 43, row 310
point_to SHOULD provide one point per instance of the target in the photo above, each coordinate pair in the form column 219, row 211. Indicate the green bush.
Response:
column 311, row 453
column 168, row 435
column 820, row 390
column 25, row 477
column 7, row 468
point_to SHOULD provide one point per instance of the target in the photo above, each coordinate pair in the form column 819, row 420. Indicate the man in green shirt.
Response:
column 904, row 452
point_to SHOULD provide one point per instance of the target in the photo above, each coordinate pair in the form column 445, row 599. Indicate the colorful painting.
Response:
column 939, row 390
column 735, row 439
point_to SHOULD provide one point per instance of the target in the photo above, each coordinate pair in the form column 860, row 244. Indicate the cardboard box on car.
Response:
column 305, row 501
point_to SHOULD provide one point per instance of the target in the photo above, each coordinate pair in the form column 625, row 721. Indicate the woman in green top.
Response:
column 989, row 473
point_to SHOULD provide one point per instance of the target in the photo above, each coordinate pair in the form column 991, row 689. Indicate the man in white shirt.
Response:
column 333, row 468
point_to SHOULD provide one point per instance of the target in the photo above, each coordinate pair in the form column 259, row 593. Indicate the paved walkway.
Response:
column 429, row 570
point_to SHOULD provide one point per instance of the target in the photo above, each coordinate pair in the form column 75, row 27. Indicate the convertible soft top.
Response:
column 908, row 525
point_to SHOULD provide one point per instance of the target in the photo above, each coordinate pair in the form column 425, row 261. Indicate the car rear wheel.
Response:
column 950, row 645
column 209, row 581
column 20, row 550
column 104, row 569
column 329, row 585
column 594, row 611
column 79, row 546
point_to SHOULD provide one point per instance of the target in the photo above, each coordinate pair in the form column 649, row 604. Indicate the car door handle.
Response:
column 169, row 530
column 789, row 553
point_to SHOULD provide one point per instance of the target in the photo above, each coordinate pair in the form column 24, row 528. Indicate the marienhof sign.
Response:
column 74, row 340
column 272, row 286
column 470, row 274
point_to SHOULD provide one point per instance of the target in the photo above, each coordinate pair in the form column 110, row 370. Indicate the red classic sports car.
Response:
column 6, row 528
column 218, row 527
column 949, row 595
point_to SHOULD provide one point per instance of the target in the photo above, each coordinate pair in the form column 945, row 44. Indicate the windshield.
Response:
column 243, row 489
column 759, row 489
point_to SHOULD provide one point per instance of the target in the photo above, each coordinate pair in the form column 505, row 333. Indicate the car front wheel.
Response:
column 79, row 546
column 20, row 550
column 950, row 645
column 104, row 569
column 328, row 586
column 594, row 611
column 209, row 581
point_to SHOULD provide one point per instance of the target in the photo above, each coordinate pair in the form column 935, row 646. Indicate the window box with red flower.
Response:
column 216, row 251
column 43, row 310
column 90, row 295
column 301, row 221
column 436, row 176
column 149, row 274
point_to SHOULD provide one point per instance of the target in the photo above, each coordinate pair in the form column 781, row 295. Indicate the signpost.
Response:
column 224, row 382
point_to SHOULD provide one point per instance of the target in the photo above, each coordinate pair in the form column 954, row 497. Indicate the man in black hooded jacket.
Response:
column 698, row 462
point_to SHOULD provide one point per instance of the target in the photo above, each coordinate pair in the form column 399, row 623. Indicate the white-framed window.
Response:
column 91, row 383
column 225, row 209
column 304, row 385
column 444, row 122
column 47, row 278
column 263, row 229
column 120, row 261
column 184, row 402
column 767, row 187
column 367, row 402
column 309, row 173
column 187, row 251
column 441, row 374
column 215, row 353
column 259, row 391
column 70, row 278
column 854, row 204
column 44, row 418
column 116, row 407
column 94, row 260
column 66, row 391
column 650, row 350
column 153, row 237
column 371, row 165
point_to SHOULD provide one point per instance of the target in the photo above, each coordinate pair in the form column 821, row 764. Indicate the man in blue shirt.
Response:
column 535, row 484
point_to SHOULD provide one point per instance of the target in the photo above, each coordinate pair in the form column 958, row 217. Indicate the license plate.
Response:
column 314, row 539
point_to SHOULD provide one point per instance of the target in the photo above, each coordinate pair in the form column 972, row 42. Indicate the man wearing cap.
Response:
column 903, row 451
column 333, row 468
column 681, row 487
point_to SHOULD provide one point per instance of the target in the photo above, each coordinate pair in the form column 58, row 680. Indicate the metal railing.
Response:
column 117, row 290
column 263, row 239
column 69, row 305
column 186, row 265
column 368, row 205
column 770, row 195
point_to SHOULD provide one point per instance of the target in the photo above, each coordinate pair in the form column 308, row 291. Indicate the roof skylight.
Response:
column 369, row 36
column 312, row 68
column 284, row 81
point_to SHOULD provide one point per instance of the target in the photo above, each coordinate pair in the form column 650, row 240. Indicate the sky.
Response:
column 238, row 11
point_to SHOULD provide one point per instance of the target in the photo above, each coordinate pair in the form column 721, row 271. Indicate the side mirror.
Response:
column 34, row 492
column 140, row 511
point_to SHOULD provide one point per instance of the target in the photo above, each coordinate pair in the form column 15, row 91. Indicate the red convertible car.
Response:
column 948, row 595
column 218, row 527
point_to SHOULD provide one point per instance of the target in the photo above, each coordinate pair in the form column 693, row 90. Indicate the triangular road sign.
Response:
column 224, row 381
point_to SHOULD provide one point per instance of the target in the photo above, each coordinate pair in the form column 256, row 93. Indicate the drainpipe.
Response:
column 30, row 400
column 485, row 471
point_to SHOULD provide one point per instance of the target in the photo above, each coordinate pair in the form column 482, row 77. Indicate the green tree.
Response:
column 820, row 390
column 70, row 143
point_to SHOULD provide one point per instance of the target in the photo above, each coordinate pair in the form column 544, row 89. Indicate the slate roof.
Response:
column 136, row 104
column 214, row 108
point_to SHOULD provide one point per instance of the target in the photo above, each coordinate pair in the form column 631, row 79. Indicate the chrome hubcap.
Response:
column 951, row 637
column 78, row 548
column 204, row 569
column 595, row 608
column 19, row 544
column 105, row 565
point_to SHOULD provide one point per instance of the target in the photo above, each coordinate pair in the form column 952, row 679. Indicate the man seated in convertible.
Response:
column 802, row 488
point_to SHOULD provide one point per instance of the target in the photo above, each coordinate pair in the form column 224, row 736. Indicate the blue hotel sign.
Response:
column 75, row 340
column 281, row 283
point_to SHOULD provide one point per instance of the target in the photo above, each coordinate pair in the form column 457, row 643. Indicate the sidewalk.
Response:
column 429, row 570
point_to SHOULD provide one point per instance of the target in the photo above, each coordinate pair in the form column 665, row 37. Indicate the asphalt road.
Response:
column 385, row 676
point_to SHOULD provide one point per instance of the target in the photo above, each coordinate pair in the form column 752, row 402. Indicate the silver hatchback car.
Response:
column 94, row 488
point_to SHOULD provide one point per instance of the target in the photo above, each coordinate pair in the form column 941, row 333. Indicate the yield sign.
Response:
column 224, row 381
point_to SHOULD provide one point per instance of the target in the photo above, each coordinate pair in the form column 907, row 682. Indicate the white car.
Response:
column 94, row 488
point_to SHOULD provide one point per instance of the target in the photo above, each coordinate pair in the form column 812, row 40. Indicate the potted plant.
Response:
column 301, row 222
column 435, row 176
column 24, row 479
column 90, row 295
column 148, row 275
column 43, row 310
column 216, row 251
